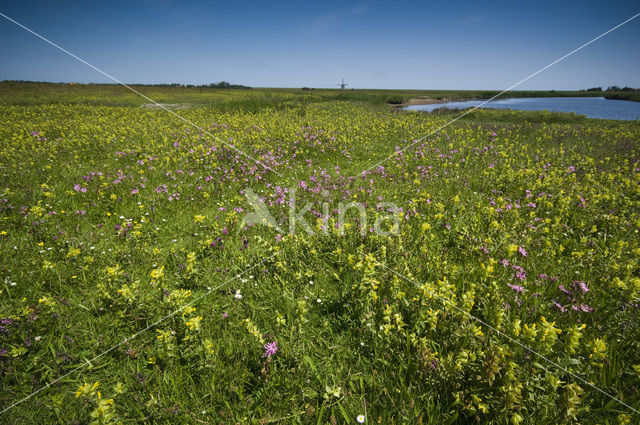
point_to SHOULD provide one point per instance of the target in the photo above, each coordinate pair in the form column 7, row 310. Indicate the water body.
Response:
column 592, row 107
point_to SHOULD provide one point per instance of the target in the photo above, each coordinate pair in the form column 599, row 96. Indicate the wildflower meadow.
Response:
column 487, row 272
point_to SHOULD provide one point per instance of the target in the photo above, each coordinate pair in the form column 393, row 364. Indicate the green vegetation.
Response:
column 633, row 96
column 128, row 271
column 239, row 98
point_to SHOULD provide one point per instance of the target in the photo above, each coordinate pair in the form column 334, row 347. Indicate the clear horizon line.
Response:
column 202, row 85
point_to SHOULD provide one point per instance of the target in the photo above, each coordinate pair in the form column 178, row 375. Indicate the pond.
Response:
column 592, row 107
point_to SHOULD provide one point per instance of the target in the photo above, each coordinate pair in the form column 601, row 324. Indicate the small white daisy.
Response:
column 238, row 295
column 360, row 419
column 38, row 338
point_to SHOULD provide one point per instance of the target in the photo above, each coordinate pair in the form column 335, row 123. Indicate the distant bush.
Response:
column 226, row 85
column 633, row 96
column 395, row 100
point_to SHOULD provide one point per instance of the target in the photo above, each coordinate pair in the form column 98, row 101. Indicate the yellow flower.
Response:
column 158, row 273
column 194, row 323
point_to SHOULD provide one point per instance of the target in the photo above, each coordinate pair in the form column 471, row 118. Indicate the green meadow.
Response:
column 487, row 272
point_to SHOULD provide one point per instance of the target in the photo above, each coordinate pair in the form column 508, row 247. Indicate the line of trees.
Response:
column 220, row 85
column 613, row 88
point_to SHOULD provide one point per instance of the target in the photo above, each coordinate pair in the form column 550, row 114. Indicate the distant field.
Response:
column 12, row 93
column 463, row 259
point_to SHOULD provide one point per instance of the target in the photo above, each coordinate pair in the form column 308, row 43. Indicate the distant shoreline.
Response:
column 430, row 101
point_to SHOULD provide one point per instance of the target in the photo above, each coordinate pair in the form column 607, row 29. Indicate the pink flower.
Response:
column 521, row 275
column 586, row 308
column 560, row 307
column 79, row 188
column 583, row 202
column 522, row 251
column 270, row 349
column 519, row 289
column 583, row 286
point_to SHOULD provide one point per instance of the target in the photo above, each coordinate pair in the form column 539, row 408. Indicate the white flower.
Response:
column 238, row 295
column 360, row 419
column 319, row 300
column 311, row 282
column 38, row 338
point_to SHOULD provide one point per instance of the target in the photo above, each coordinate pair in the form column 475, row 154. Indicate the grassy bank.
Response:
column 633, row 96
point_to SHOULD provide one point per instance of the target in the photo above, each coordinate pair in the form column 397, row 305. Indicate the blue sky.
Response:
column 379, row 44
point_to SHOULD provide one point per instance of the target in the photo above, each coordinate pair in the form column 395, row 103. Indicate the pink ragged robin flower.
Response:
column 270, row 349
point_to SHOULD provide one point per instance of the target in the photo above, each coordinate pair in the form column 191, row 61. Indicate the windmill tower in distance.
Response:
column 342, row 84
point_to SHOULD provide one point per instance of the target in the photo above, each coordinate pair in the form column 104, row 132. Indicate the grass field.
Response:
column 17, row 93
column 496, row 279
